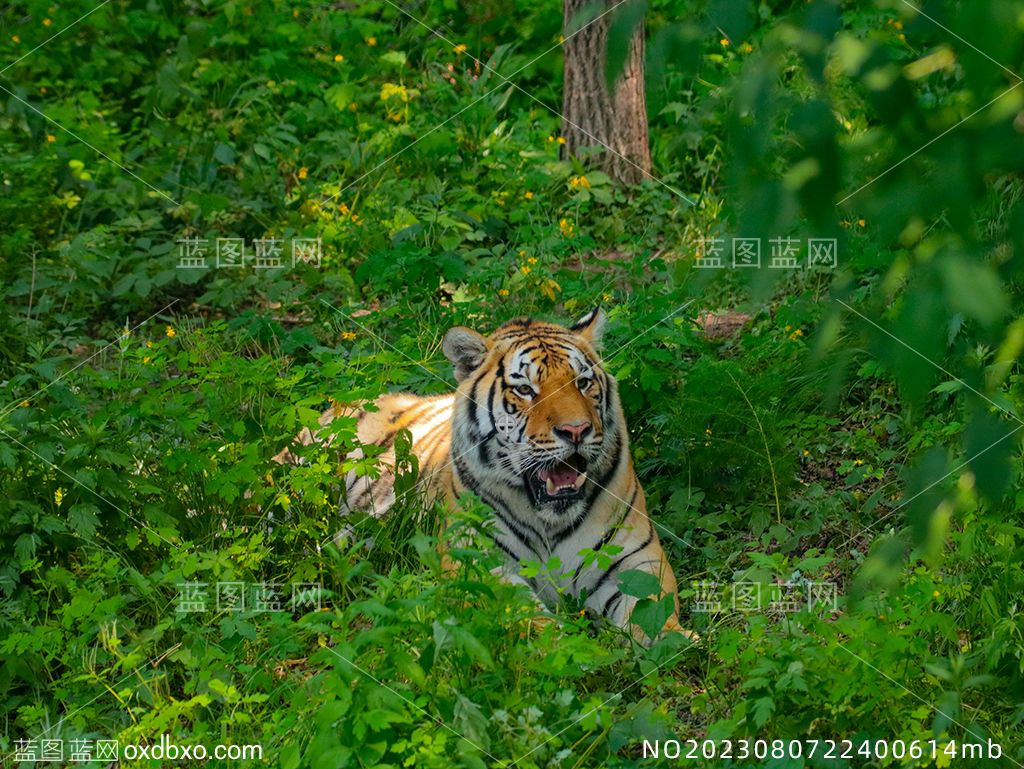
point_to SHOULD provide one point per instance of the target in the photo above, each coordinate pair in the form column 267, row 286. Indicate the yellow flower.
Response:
column 371, row 41
column 580, row 181
column 460, row 48
column 861, row 223
column 146, row 359
column 606, row 297
column 528, row 195
column 525, row 270
column 171, row 333
column 343, row 208
column 352, row 106
column 58, row 496
column 24, row 404
column 522, row 252
column 858, row 462
column 532, row 260
column 724, row 41
column 935, row 593
column 551, row 138
column 566, row 228
column 339, row 57
column 51, row 138
column 149, row 344
column 390, row 90
column 561, row 140
column 47, row 22
column 707, row 431
column 806, row 453
column 502, row 292
column 15, row 39
column 348, row 336
column 746, row 48
column 303, row 172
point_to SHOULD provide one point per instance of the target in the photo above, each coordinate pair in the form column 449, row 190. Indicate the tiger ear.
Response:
column 465, row 348
column 591, row 326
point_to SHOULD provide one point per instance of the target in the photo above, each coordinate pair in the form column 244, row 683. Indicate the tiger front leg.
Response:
column 619, row 607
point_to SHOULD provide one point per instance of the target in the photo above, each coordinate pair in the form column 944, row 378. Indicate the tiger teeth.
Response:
column 553, row 489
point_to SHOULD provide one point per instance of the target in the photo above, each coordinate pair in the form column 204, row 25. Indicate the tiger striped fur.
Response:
column 536, row 430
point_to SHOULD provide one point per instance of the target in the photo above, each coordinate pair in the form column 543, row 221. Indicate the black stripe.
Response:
column 621, row 559
column 507, row 551
column 611, row 531
column 501, row 510
column 613, row 598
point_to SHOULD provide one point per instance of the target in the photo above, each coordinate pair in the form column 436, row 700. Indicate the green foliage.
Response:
column 857, row 428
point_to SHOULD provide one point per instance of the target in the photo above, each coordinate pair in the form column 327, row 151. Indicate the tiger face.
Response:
column 537, row 418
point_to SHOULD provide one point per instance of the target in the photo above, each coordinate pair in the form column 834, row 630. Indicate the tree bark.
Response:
column 615, row 123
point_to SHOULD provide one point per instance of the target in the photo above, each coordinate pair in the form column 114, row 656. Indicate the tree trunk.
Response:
column 614, row 123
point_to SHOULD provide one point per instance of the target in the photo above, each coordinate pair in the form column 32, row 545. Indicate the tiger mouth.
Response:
column 562, row 480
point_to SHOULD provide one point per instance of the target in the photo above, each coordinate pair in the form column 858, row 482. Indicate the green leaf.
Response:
column 639, row 584
column 650, row 615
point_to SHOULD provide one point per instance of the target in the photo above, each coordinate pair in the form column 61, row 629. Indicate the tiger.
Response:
column 535, row 429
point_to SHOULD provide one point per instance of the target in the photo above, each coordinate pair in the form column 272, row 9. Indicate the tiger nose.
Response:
column 574, row 432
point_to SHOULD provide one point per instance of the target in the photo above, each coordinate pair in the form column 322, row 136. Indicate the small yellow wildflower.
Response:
column 902, row 37
column 15, row 39
column 58, row 496
column 460, row 48
column 806, row 453
column 746, row 48
column 51, row 138
column 606, row 297
column 339, row 57
column 348, row 336
column 528, row 195
column 171, row 333
column 343, row 208
column 532, row 260
column 303, row 172
column 935, row 593
column 861, row 223
column 149, row 344
column 789, row 328
column 580, row 181
column 724, row 41
column 47, row 22
column 858, row 462
column 371, row 41
column 502, row 292
column 522, row 252
column 707, row 431
column 352, row 106
column 566, row 228
column 24, row 404
column 146, row 359
column 525, row 269
column 561, row 140
column 551, row 138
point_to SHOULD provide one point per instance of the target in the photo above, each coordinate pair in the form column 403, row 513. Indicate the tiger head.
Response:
column 537, row 422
